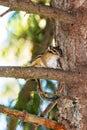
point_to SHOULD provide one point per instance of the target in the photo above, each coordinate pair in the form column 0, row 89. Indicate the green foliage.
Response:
column 33, row 105
column 36, row 104
column 26, row 34
column 34, row 30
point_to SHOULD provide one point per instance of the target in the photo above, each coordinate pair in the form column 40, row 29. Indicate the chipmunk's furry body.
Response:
column 49, row 58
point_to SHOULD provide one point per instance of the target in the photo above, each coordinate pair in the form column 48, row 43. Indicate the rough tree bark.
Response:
column 72, row 38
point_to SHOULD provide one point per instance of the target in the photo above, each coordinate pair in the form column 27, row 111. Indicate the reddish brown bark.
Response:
column 72, row 38
column 26, row 117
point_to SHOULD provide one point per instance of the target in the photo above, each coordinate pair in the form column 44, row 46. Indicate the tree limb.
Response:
column 26, row 117
column 44, row 10
column 44, row 73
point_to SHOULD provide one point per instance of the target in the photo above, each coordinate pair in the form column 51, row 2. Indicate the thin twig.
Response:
column 46, row 112
column 46, row 95
column 4, row 13
column 42, row 93
column 48, row 108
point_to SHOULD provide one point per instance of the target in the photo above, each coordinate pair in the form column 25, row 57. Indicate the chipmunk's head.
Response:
column 55, row 50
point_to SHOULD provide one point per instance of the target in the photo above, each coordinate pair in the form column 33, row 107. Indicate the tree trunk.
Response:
column 72, row 38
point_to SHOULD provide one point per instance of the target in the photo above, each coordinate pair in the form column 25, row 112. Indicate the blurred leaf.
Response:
column 26, row 34
column 36, row 104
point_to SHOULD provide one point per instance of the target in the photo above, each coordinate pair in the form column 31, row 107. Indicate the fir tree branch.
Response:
column 44, row 73
column 26, row 117
column 40, row 9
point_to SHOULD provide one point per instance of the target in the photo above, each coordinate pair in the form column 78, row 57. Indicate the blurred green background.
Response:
column 23, row 37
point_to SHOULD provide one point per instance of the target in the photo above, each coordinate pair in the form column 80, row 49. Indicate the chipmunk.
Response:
column 49, row 59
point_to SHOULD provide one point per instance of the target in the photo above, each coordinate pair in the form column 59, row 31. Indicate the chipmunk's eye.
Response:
column 54, row 50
